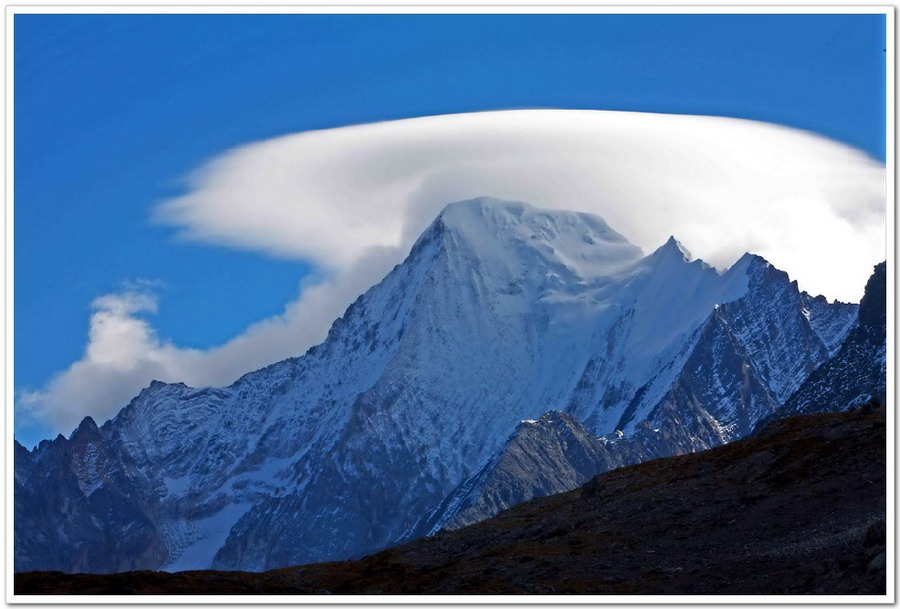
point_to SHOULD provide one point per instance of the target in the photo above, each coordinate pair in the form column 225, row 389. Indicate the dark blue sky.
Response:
column 111, row 112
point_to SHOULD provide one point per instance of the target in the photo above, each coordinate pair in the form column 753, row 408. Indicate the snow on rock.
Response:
column 500, row 313
column 856, row 372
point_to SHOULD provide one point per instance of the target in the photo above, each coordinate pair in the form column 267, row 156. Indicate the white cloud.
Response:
column 722, row 186
column 124, row 353
column 352, row 200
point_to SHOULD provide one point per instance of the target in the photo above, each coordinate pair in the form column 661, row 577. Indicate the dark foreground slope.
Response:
column 798, row 509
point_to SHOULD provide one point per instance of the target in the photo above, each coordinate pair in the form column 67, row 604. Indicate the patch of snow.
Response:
column 88, row 475
column 202, row 538
column 177, row 486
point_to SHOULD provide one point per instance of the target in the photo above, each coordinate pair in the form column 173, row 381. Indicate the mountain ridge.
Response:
column 499, row 313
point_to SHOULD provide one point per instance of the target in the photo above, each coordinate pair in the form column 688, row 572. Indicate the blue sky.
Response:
column 112, row 112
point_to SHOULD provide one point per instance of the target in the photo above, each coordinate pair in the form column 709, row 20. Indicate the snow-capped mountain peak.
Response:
column 517, row 236
column 500, row 313
column 674, row 247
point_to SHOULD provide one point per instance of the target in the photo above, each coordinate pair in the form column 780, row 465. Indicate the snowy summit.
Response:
column 411, row 408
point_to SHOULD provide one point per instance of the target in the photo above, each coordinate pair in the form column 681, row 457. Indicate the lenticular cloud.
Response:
column 722, row 186
column 352, row 200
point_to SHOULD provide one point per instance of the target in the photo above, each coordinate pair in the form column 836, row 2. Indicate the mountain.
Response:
column 552, row 454
column 80, row 487
column 857, row 371
column 500, row 313
column 797, row 509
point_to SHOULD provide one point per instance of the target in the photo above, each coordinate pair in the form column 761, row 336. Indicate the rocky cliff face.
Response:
column 549, row 455
column 500, row 313
column 857, row 371
column 95, row 510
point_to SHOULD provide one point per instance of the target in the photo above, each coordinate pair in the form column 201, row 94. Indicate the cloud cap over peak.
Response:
column 353, row 200
column 723, row 186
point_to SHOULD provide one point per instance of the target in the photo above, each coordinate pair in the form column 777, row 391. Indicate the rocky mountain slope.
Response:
column 798, row 509
column 500, row 313
column 545, row 456
column 857, row 372
column 551, row 462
